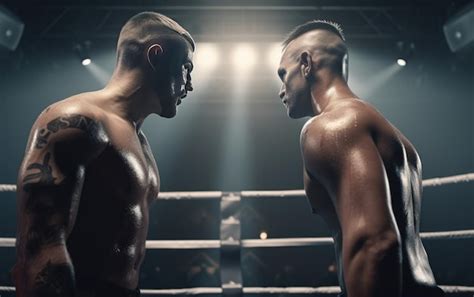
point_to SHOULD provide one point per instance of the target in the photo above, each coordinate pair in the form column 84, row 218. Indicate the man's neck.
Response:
column 128, row 97
column 328, row 90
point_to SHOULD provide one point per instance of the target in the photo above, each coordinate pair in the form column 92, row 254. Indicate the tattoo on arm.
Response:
column 46, row 229
column 74, row 121
column 44, row 176
column 55, row 280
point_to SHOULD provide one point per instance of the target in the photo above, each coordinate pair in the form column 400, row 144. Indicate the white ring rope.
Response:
column 277, row 242
column 264, row 290
column 259, row 243
column 432, row 182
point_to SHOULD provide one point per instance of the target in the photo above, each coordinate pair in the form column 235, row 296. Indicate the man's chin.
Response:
column 168, row 113
column 294, row 114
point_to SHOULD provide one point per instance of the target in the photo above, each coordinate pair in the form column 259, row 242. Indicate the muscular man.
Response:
column 88, row 176
column 361, row 174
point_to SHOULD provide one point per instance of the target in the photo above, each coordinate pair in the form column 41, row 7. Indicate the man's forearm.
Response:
column 374, row 272
column 46, row 276
column 54, row 280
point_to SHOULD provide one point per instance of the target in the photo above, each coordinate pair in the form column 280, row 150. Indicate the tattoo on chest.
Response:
column 43, row 174
column 73, row 121
column 55, row 280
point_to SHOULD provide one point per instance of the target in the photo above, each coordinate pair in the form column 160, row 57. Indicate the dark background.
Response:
column 233, row 134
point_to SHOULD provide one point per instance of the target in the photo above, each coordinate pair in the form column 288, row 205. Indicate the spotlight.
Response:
column 206, row 56
column 402, row 62
column 263, row 235
column 274, row 55
column 11, row 29
column 406, row 50
column 244, row 57
column 86, row 61
column 458, row 29
column 82, row 51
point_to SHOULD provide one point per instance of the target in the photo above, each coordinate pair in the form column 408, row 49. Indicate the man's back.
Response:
column 108, row 218
column 336, row 129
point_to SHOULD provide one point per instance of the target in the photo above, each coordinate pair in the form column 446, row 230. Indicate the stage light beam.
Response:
column 244, row 57
column 274, row 56
column 206, row 57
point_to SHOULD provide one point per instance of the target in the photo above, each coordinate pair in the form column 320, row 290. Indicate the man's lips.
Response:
column 181, row 97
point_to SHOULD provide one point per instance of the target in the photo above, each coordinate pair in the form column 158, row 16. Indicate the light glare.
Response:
column 86, row 61
column 274, row 55
column 244, row 57
column 206, row 57
column 401, row 62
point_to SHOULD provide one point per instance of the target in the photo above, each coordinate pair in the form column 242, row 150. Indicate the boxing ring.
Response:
column 230, row 242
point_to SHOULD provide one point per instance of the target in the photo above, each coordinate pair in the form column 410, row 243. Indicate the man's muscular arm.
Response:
column 344, row 158
column 49, row 187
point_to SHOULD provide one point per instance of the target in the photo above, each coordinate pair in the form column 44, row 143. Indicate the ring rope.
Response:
column 263, row 290
column 432, row 182
column 259, row 243
column 278, row 242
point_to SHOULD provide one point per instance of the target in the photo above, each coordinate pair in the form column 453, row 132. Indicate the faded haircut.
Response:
column 314, row 25
column 141, row 30
column 334, row 54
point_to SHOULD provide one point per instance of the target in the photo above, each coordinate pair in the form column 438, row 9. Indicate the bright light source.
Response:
column 274, row 55
column 401, row 62
column 263, row 235
column 206, row 57
column 244, row 57
column 86, row 61
column 82, row 52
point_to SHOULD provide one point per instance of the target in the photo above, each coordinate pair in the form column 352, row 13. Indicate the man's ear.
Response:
column 306, row 64
column 154, row 51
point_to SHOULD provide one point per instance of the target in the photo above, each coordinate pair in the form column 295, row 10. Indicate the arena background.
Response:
column 232, row 132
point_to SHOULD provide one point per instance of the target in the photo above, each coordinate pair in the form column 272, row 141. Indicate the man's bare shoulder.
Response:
column 339, row 124
column 70, row 118
column 72, row 105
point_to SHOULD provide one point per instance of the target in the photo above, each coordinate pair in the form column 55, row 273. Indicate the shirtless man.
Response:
column 361, row 174
column 88, row 176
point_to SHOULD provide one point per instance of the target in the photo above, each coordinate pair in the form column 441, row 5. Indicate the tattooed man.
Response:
column 89, row 176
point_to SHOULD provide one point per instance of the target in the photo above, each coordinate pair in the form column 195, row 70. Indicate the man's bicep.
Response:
column 50, row 180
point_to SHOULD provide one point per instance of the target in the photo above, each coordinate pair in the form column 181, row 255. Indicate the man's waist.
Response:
column 101, row 287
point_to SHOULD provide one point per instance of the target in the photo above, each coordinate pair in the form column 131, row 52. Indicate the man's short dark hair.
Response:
column 144, row 28
column 314, row 25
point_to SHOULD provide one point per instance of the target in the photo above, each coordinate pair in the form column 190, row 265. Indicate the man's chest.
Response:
column 128, row 166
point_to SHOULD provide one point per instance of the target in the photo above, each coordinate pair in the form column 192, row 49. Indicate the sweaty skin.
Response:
column 88, row 176
column 361, row 174
column 85, row 186
column 364, row 178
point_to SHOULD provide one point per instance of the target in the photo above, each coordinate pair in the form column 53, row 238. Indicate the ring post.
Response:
column 230, row 236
